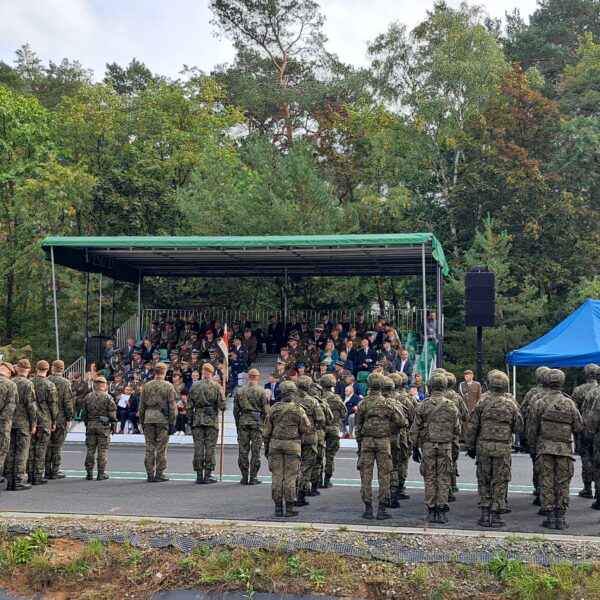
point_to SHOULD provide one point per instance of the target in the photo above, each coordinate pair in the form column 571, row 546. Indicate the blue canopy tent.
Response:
column 574, row 342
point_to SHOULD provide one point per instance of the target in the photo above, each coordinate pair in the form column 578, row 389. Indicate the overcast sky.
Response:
column 166, row 34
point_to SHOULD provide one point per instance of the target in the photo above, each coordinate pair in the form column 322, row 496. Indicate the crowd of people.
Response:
column 299, row 416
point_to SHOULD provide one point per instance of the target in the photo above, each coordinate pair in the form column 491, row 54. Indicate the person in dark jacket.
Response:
column 273, row 388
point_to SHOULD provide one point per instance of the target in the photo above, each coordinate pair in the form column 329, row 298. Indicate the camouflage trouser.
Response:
column 249, row 441
column 405, row 454
column 395, row 450
column 284, row 462
column 586, row 451
column 4, row 443
column 436, row 469
column 375, row 450
column 535, row 477
column 205, row 442
column 455, row 455
column 36, row 462
column 317, row 471
column 307, row 464
column 332, row 445
column 493, row 476
column 157, row 442
column 555, row 474
column 97, row 439
column 54, row 450
column 16, row 459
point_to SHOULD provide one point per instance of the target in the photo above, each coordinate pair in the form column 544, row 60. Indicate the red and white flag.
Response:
column 223, row 343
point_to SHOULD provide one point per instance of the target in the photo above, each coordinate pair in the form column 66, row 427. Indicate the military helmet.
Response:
column 404, row 377
column 287, row 387
column 316, row 389
column 304, row 383
column 556, row 378
column 591, row 370
column 388, row 384
column 327, row 380
column 397, row 379
column 499, row 381
column 375, row 381
column 539, row 373
column 451, row 379
column 438, row 371
column 437, row 381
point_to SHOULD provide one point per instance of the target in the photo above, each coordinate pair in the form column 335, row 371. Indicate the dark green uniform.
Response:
column 98, row 412
column 205, row 400
column 158, row 411
column 250, row 407
column 9, row 395
column 23, row 421
column 65, row 408
column 332, row 430
column 47, row 410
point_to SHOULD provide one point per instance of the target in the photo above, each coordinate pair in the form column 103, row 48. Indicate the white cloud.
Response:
column 165, row 35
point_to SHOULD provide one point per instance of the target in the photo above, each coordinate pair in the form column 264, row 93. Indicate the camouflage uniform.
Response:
column 98, row 406
column 332, row 431
column 492, row 424
column 158, row 411
column 316, row 478
column 65, row 404
column 285, row 426
column 305, row 400
column 80, row 390
column 583, row 445
column 250, row 407
column 23, row 421
column 47, row 410
column 553, row 419
column 375, row 419
column 592, row 434
column 9, row 395
column 205, row 400
column 436, row 425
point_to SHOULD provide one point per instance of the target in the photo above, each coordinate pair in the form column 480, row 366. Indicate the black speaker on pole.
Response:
column 480, row 298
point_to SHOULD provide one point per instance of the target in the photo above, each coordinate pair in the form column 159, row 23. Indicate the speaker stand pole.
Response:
column 480, row 354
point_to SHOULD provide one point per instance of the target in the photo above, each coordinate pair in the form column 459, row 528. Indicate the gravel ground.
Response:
column 386, row 544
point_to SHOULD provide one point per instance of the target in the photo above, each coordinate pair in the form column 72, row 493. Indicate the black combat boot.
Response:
column 59, row 475
column 244, row 479
column 586, row 492
column 596, row 504
column 208, row 478
column 560, row 519
column 254, row 481
column 20, row 486
column 431, row 515
column 39, row 481
column 103, row 477
column 454, row 489
column 327, row 482
column 402, row 495
column 368, row 514
column 313, row 490
column 451, row 497
column 382, row 513
column 90, row 476
column 302, row 501
column 10, row 485
column 150, row 478
column 442, row 517
column 536, row 501
column 160, row 478
column 199, row 477
column 279, row 509
column 289, row 510
column 496, row 520
column 394, row 499
column 484, row 520
column 550, row 520
column 506, row 510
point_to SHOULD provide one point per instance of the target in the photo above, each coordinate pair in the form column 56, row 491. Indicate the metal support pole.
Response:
column 285, row 297
column 87, row 313
column 515, row 382
column 100, row 307
column 112, row 325
column 480, row 354
column 139, row 303
column 425, row 312
column 55, row 302
column 438, row 306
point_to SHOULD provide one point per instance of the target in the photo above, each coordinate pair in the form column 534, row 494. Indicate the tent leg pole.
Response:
column 87, row 314
column 439, row 334
column 424, row 274
column 112, row 325
column 515, row 382
column 55, row 303
column 100, row 307
column 139, row 303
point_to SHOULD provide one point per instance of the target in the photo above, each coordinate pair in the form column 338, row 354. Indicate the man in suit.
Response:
column 273, row 388
column 351, row 351
column 274, row 337
column 206, row 324
column 367, row 357
column 293, row 325
column 403, row 365
column 244, row 322
column 129, row 349
column 351, row 401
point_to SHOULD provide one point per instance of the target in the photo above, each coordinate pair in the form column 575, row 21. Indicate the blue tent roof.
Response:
column 574, row 342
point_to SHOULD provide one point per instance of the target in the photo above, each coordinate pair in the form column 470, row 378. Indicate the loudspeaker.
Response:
column 480, row 298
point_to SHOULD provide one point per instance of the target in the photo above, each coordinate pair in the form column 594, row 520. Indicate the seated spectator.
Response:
column 273, row 388
column 154, row 334
column 116, row 360
column 206, row 324
column 293, row 325
column 403, row 365
column 148, row 372
column 301, row 368
column 330, row 355
column 281, row 371
column 134, row 401
column 387, row 352
column 147, row 350
column 109, row 352
column 240, row 351
column 394, row 339
column 178, row 325
column 414, row 394
column 351, row 401
column 194, row 323
column 323, row 370
column 348, row 364
column 345, row 323
column 155, row 357
column 169, row 337
column 185, row 334
column 123, row 408
column 360, row 325
column 335, row 339
column 90, row 376
column 129, row 349
column 359, row 389
column 195, row 379
column 218, row 330
column 137, row 362
column 326, row 323
column 313, row 356
column 367, row 357
column 293, row 376
column 420, row 384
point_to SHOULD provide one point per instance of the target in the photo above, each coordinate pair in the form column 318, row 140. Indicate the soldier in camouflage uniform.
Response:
column 205, row 400
column 583, row 445
column 285, row 426
column 9, row 395
column 375, row 419
column 316, row 478
column 99, row 413
column 250, row 407
column 64, row 415
column 47, row 410
column 80, row 389
column 530, row 397
column 158, row 412
column 553, row 419
column 437, row 423
column 311, row 406
column 592, row 434
column 332, row 431
column 492, row 424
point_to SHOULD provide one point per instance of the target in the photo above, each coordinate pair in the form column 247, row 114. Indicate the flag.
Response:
column 223, row 344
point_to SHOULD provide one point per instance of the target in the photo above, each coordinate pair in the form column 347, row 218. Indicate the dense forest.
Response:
column 486, row 133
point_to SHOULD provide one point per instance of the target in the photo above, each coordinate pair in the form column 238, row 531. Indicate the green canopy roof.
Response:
column 125, row 258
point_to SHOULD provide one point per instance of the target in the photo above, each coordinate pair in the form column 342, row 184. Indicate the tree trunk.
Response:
column 10, row 291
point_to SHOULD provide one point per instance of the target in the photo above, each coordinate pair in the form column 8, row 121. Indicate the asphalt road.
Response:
column 127, row 493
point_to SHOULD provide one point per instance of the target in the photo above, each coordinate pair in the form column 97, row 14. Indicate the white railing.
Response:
column 130, row 329
column 78, row 366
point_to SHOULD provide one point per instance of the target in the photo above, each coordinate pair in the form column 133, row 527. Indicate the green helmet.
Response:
column 539, row 373
column 375, row 381
column 437, row 382
column 388, row 384
column 287, row 387
column 397, row 379
column 451, row 379
column 499, row 381
column 404, row 377
column 591, row 370
column 556, row 378
column 316, row 390
column 327, row 381
column 304, row 382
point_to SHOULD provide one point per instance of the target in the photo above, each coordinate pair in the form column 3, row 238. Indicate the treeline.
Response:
column 487, row 134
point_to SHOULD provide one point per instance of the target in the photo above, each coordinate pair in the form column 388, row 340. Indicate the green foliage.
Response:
column 506, row 568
